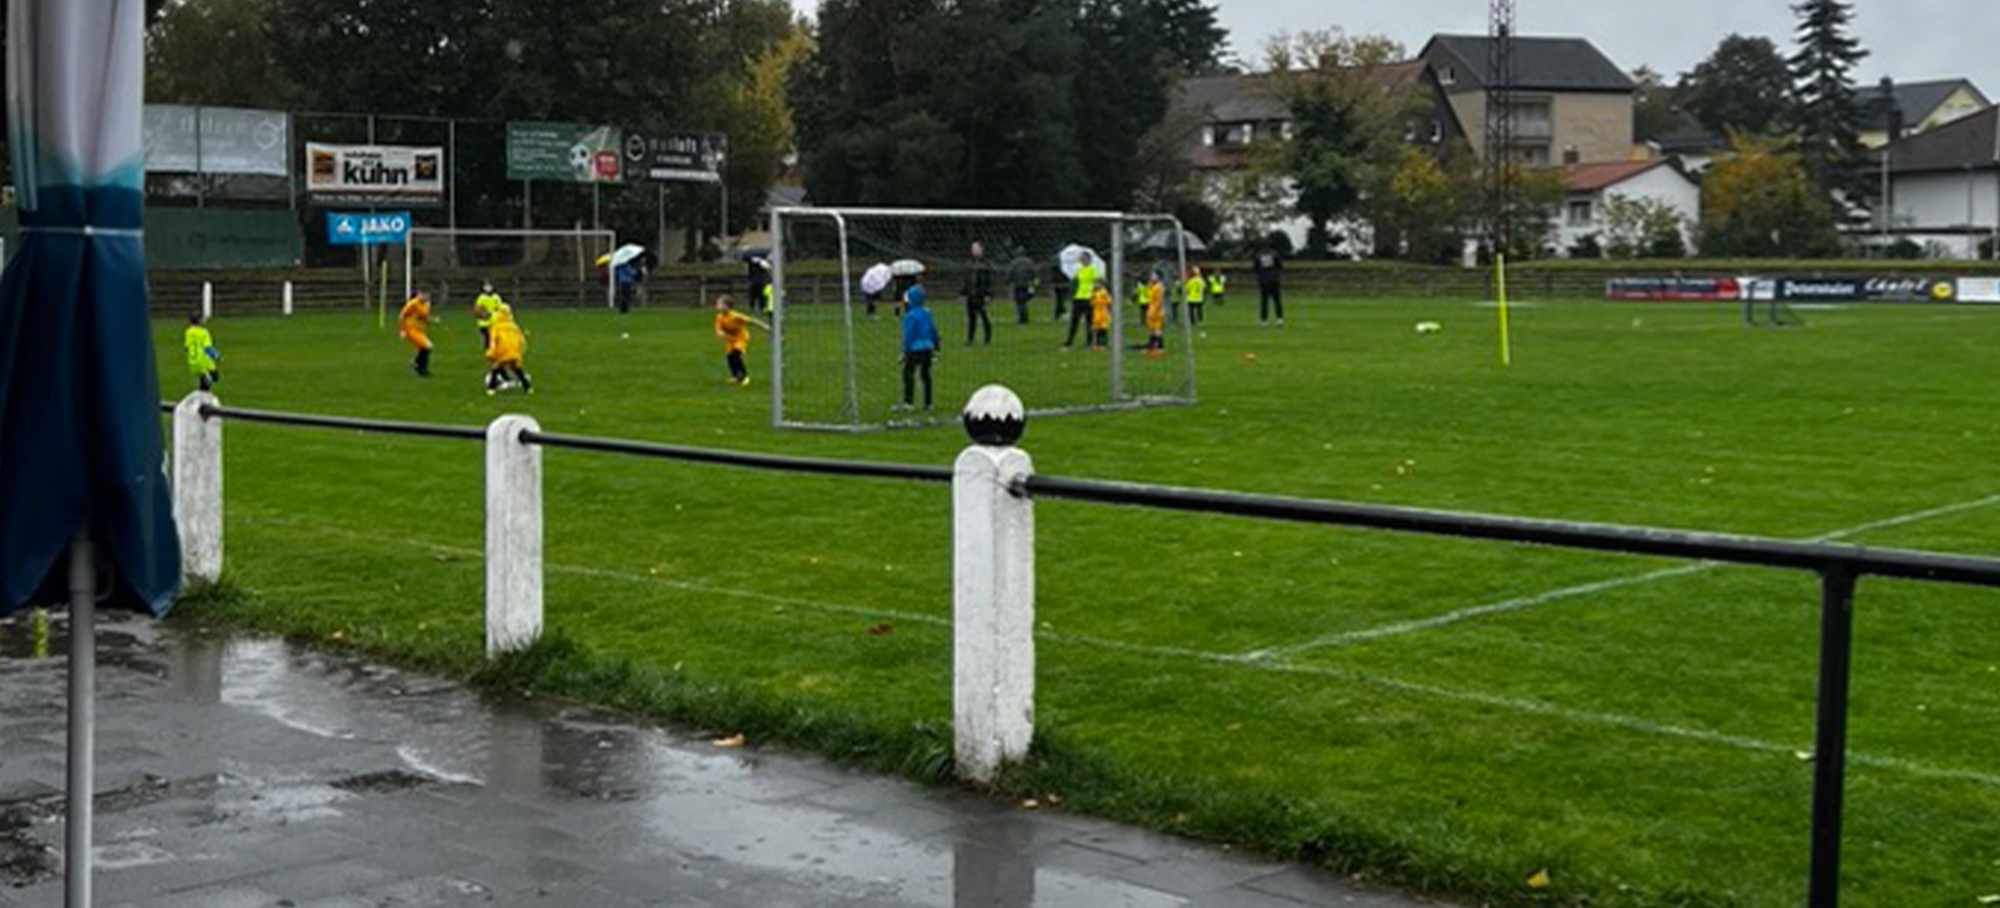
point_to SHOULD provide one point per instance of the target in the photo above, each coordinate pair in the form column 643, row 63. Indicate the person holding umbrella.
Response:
column 873, row 281
column 978, row 292
column 1087, row 276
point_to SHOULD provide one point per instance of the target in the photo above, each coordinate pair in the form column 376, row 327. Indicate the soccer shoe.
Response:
column 899, row 408
column 745, row 382
column 490, row 392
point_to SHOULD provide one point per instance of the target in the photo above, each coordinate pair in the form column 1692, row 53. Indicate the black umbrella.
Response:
column 81, row 471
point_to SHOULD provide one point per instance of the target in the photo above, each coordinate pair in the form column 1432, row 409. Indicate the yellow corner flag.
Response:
column 1500, row 269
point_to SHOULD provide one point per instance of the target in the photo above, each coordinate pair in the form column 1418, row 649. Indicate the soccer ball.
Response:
column 1429, row 327
column 995, row 416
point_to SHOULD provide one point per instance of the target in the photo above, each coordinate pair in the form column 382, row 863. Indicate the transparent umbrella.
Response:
column 1073, row 257
column 876, row 278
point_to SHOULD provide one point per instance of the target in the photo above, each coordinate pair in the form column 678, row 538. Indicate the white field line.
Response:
column 1397, row 629
column 1515, row 704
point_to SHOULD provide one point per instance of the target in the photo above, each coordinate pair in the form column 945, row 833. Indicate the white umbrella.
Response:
column 876, row 278
column 906, row 267
column 1072, row 258
column 622, row 254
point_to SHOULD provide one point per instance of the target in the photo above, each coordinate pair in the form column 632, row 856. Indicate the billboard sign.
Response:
column 694, row 157
column 1672, row 288
column 1818, row 289
column 219, row 140
column 365, row 174
column 1979, row 289
column 363, row 228
column 564, row 152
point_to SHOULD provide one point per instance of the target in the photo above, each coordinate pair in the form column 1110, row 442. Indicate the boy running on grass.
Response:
column 505, row 346
column 414, row 324
column 734, row 329
column 920, row 343
column 204, row 362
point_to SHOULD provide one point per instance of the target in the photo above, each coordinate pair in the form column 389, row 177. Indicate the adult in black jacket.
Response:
column 1269, row 265
column 978, row 292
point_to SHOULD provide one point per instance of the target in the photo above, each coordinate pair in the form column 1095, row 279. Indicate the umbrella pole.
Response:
column 82, row 720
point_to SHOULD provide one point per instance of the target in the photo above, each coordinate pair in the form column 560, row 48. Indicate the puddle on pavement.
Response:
column 666, row 794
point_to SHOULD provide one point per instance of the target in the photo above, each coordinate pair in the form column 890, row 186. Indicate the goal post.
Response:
column 530, row 268
column 1001, row 287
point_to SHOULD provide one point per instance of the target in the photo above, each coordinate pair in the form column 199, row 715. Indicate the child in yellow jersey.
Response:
column 204, row 363
column 414, row 324
column 1100, row 318
column 1156, row 317
column 506, row 345
column 734, row 329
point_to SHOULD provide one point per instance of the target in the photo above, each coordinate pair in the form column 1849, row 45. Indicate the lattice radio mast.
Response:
column 1500, row 172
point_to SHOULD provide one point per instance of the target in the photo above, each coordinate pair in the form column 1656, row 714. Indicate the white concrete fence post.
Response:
column 207, row 299
column 197, row 487
column 288, row 297
column 513, row 536
column 993, row 591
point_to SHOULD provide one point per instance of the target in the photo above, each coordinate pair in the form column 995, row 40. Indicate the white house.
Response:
column 1592, row 185
column 1944, row 186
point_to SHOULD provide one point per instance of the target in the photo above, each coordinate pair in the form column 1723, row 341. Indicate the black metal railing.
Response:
column 1838, row 565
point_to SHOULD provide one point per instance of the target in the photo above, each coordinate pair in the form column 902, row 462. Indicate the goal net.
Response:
column 533, row 269
column 838, row 277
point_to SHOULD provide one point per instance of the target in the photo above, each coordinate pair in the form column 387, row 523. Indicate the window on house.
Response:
column 1437, row 132
column 1579, row 213
column 1571, row 155
column 1232, row 134
column 1285, row 130
column 1447, row 75
column 1208, row 135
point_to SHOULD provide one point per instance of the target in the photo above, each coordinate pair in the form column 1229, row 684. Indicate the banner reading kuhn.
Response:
column 374, row 174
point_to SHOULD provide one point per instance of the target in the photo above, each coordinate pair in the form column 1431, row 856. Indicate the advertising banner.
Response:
column 678, row 156
column 374, row 174
column 1979, row 289
column 362, row 228
column 1911, row 290
column 1672, row 288
column 563, row 152
column 1823, row 289
column 220, row 140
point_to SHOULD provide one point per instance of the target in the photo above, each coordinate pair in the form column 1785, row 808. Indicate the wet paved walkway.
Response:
column 250, row 774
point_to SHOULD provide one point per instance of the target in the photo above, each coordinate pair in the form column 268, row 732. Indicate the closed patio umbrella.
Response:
column 82, row 484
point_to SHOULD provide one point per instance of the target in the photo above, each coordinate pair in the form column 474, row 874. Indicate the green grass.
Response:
column 1640, row 742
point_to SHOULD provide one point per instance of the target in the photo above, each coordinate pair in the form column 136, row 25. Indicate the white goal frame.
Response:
column 578, row 234
column 1119, row 223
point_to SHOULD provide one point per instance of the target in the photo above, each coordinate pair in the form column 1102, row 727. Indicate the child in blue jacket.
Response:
column 920, row 342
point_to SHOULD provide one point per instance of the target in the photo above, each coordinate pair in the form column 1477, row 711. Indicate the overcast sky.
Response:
column 1911, row 40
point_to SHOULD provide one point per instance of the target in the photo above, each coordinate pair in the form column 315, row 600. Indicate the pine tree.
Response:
column 1827, row 116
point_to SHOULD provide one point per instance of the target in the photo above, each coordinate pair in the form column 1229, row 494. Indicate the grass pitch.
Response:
column 1455, row 715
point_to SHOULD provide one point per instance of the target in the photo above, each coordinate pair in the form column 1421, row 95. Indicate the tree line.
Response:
column 1020, row 104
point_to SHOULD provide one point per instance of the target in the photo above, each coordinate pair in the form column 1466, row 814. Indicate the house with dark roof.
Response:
column 1944, row 186
column 1571, row 103
column 1233, row 114
column 1591, row 187
column 1898, row 109
column 1238, row 111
